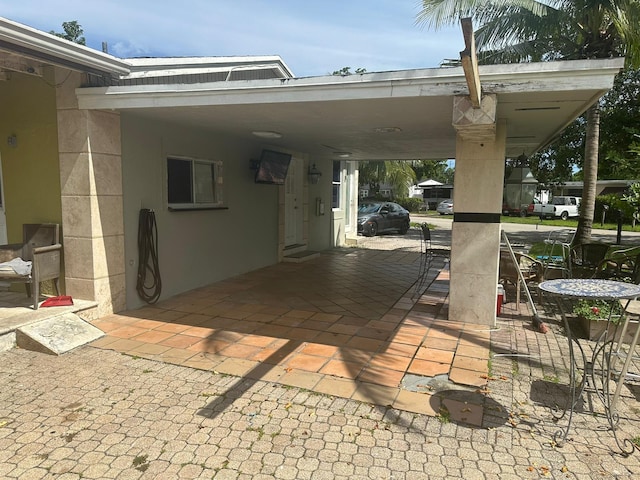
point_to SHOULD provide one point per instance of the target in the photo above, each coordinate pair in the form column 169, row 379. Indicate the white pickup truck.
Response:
column 560, row 206
column 542, row 210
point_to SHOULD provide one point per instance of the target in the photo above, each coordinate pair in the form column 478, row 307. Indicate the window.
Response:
column 194, row 183
column 385, row 193
column 336, row 184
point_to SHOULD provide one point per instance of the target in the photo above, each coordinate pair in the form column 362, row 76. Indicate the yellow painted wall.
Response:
column 30, row 171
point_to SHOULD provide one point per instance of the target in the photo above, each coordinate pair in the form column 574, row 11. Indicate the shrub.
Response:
column 615, row 203
column 410, row 203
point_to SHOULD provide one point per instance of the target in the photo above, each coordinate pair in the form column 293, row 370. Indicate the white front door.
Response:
column 3, row 218
column 293, row 204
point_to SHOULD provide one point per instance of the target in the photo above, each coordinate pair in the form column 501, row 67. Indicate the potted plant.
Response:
column 593, row 315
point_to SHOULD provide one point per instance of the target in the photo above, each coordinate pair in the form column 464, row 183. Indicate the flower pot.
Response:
column 594, row 329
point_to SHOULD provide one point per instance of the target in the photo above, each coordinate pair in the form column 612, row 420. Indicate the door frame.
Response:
column 294, row 204
column 3, row 212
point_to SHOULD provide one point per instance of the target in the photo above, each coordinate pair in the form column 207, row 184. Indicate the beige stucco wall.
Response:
column 320, row 224
column 195, row 248
column 91, row 196
column 30, row 170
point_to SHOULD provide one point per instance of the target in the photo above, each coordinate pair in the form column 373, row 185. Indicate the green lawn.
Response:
column 571, row 223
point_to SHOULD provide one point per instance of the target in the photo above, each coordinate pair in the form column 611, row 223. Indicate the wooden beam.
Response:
column 469, row 61
column 16, row 64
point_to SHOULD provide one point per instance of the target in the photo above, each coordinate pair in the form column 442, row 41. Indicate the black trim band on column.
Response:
column 476, row 217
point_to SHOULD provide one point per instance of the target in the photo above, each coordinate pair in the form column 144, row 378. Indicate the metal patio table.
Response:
column 606, row 351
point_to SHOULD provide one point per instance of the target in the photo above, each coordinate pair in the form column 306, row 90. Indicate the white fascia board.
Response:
column 396, row 84
column 567, row 67
column 47, row 47
column 204, row 70
column 551, row 76
column 535, row 77
column 150, row 64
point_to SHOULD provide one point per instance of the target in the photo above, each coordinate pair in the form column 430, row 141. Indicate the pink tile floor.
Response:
column 346, row 324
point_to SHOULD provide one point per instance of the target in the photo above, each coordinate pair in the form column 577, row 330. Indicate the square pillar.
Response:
column 92, row 202
column 477, row 199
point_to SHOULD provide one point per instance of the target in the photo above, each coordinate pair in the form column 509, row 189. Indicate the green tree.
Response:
column 632, row 197
column 619, row 132
column 72, row 32
column 555, row 164
column 528, row 30
column 434, row 169
column 620, row 128
column 371, row 173
column 396, row 173
column 344, row 71
column 400, row 176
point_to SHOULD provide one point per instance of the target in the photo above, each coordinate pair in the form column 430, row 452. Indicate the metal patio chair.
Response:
column 427, row 254
column 40, row 246
column 586, row 258
column 531, row 271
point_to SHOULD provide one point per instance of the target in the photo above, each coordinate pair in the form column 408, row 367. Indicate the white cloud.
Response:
column 313, row 37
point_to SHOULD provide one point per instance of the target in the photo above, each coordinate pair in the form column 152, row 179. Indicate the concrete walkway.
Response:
column 107, row 412
column 96, row 413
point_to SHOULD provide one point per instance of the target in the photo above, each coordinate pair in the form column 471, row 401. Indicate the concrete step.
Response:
column 57, row 335
column 299, row 257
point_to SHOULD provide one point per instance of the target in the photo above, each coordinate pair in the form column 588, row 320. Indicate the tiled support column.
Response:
column 92, row 212
column 475, row 236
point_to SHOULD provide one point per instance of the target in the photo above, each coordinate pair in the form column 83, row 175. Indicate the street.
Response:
column 529, row 234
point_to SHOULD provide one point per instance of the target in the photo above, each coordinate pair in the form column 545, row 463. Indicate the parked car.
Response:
column 536, row 207
column 522, row 210
column 560, row 206
column 565, row 207
column 378, row 217
column 445, row 207
column 542, row 210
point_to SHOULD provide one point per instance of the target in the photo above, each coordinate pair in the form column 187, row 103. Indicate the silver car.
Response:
column 445, row 207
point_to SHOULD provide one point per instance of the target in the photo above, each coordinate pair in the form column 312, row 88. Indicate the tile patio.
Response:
column 343, row 324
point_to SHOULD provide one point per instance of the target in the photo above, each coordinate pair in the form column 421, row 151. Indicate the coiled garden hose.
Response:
column 149, row 283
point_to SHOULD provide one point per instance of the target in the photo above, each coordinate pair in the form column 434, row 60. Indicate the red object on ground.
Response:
column 500, row 300
column 61, row 301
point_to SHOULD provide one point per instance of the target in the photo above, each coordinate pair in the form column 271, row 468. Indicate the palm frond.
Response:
column 436, row 14
column 627, row 23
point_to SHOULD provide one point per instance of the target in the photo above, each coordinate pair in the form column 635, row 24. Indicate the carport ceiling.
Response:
column 378, row 116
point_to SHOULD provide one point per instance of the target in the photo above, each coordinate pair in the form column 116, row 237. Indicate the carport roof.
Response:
column 403, row 114
column 374, row 116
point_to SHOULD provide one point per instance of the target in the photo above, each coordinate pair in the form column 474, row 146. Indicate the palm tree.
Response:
column 528, row 30
column 400, row 176
column 397, row 173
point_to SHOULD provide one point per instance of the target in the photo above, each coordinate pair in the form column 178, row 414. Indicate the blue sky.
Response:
column 314, row 37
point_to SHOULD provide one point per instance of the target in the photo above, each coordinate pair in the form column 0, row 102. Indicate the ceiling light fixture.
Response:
column 387, row 129
column 267, row 134
column 342, row 154
column 535, row 109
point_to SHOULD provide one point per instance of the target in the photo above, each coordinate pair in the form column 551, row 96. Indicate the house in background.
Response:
column 603, row 187
column 385, row 191
column 96, row 141
column 433, row 192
